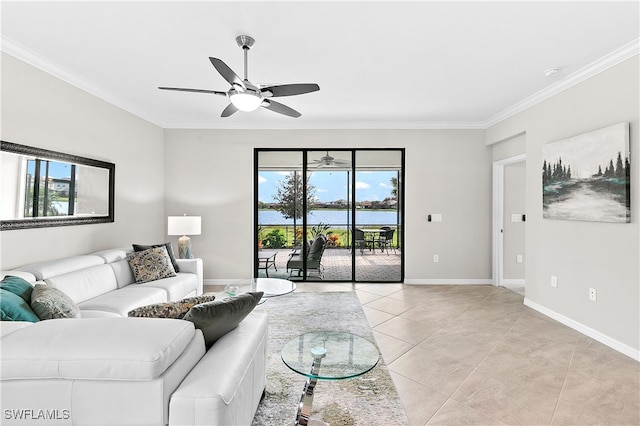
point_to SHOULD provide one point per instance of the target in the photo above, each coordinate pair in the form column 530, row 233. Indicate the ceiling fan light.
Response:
column 245, row 101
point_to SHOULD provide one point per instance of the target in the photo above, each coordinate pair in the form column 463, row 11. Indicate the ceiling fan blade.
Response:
column 290, row 89
column 229, row 110
column 181, row 89
column 279, row 108
column 226, row 72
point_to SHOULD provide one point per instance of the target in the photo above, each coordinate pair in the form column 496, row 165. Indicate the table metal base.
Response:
column 306, row 400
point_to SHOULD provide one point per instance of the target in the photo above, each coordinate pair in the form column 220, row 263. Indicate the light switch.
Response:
column 516, row 217
column 436, row 217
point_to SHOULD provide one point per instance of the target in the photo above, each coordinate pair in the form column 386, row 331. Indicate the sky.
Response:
column 332, row 185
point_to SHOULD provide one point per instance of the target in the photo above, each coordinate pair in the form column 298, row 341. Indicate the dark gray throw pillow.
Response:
column 219, row 317
column 143, row 247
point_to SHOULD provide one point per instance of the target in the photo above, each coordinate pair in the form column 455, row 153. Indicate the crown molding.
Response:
column 20, row 52
column 617, row 56
column 363, row 125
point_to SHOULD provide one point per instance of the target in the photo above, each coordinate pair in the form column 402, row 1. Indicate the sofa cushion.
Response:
column 51, row 268
column 151, row 264
column 17, row 286
column 86, row 283
column 217, row 318
column 123, row 300
column 50, row 303
column 123, row 273
column 176, row 287
column 15, row 308
column 27, row 276
column 112, row 255
column 142, row 247
column 175, row 310
column 95, row 348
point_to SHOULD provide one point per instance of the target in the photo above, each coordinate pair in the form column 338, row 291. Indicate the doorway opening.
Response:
column 509, row 218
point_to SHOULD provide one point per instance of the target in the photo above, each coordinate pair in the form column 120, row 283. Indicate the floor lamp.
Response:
column 184, row 225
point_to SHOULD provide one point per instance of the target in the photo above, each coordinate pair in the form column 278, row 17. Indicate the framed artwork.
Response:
column 587, row 177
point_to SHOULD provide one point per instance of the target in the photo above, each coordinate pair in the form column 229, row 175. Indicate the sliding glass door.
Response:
column 332, row 215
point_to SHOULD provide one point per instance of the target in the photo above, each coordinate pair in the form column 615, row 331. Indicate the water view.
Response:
column 332, row 217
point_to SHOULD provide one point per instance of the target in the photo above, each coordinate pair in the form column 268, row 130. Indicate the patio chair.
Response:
column 314, row 258
column 360, row 240
column 386, row 240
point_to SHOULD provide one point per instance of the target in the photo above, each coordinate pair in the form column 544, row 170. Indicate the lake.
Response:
column 338, row 217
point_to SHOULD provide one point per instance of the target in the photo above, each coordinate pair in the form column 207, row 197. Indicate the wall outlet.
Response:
column 593, row 295
column 519, row 258
column 436, row 217
column 554, row 281
column 436, row 258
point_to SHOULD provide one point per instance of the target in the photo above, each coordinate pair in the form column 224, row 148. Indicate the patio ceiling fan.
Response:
column 330, row 161
column 246, row 96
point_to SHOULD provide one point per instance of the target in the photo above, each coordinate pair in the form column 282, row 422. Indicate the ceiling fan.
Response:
column 329, row 161
column 246, row 96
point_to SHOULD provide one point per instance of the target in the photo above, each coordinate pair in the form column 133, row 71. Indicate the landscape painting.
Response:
column 587, row 177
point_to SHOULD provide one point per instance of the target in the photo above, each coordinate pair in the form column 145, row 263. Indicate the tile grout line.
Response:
column 564, row 381
column 471, row 373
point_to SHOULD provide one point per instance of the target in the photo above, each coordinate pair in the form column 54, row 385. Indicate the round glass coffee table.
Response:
column 271, row 287
column 327, row 355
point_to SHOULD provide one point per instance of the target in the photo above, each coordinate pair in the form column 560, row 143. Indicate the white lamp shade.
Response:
column 183, row 225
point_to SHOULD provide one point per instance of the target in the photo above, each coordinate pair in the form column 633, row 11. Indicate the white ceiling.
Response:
column 379, row 64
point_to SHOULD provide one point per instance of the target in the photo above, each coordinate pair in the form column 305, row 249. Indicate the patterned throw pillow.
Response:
column 49, row 303
column 171, row 309
column 150, row 265
column 142, row 247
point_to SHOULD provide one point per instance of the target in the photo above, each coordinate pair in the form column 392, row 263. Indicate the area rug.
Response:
column 370, row 399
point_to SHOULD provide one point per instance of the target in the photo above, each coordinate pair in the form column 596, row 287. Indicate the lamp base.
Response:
column 184, row 247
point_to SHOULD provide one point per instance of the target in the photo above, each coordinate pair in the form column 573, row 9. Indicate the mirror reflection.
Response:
column 48, row 188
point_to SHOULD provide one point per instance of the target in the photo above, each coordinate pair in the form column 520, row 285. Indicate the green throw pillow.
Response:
column 18, row 286
column 143, row 247
column 15, row 308
column 49, row 303
column 171, row 309
column 219, row 317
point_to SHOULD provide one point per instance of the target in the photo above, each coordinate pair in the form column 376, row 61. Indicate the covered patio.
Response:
column 370, row 265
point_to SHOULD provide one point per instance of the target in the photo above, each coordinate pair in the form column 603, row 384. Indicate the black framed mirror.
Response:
column 42, row 188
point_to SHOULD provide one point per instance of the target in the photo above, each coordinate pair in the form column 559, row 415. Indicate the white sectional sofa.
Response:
column 109, row 369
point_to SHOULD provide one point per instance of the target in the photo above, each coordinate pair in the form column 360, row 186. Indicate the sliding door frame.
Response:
column 351, row 205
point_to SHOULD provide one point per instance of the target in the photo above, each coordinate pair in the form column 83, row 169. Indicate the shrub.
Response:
column 274, row 239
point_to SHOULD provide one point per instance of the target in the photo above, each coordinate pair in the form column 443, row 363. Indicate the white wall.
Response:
column 210, row 173
column 45, row 112
column 604, row 256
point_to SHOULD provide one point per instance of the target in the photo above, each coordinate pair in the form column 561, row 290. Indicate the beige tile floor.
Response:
column 475, row 355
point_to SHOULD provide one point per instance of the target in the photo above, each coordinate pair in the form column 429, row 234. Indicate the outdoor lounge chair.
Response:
column 314, row 258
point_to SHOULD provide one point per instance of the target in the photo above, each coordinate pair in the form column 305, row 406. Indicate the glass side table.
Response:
column 327, row 355
column 271, row 287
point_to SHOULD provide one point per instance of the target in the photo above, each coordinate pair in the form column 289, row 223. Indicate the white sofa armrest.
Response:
column 193, row 266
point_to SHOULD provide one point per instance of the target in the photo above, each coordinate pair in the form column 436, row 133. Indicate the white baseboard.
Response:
column 587, row 331
column 513, row 283
column 449, row 281
column 222, row 281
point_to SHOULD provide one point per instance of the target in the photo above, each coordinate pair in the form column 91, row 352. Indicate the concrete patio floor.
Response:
column 371, row 266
